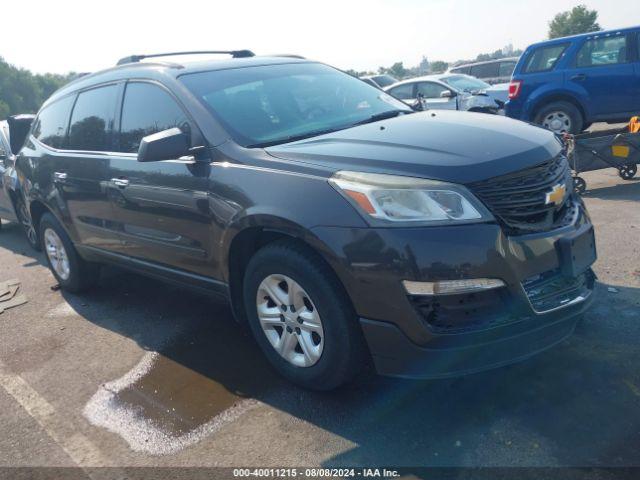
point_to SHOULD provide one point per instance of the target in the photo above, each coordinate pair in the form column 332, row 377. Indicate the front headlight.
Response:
column 394, row 199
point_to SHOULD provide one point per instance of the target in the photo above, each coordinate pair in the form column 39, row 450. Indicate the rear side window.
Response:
column 545, row 58
column 603, row 51
column 92, row 119
column 465, row 70
column 486, row 70
column 147, row 109
column 50, row 127
column 403, row 92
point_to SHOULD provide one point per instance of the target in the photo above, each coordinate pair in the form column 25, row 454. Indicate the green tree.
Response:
column 572, row 22
column 438, row 66
column 23, row 92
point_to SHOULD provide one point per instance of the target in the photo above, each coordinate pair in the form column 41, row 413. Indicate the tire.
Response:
column 27, row 225
column 560, row 117
column 627, row 172
column 579, row 185
column 339, row 339
column 79, row 274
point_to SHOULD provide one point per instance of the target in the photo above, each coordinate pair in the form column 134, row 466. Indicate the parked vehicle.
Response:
column 341, row 225
column 13, row 132
column 380, row 81
column 565, row 84
column 491, row 71
column 450, row 92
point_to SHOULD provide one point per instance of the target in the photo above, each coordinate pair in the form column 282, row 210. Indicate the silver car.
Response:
column 451, row 92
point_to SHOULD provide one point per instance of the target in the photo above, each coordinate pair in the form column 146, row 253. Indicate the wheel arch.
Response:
column 559, row 97
column 254, row 234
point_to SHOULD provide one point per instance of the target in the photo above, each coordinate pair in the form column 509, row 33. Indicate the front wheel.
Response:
column 560, row 117
column 72, row 272
column 302, row 318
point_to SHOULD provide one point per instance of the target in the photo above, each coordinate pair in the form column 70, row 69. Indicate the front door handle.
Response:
column 59, row 176
column 579, row 77
column 120, row 182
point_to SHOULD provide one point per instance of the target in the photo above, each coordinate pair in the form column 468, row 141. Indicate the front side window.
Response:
column 403, row 92
column 271, row 104
column 50, row 127
column 147, row 109
column 92, row 119
column 602, row 51
column 431, row 89
column 545, row 58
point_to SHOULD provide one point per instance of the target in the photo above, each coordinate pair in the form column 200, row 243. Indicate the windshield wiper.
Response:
column 382, row 116
column 293, row 138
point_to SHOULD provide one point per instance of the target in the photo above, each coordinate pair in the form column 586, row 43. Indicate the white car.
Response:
column 451, row 91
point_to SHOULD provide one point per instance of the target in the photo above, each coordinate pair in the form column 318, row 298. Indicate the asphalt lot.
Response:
column 138, row 373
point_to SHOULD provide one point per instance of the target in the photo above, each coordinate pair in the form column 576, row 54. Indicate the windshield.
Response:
column 273, row 104
column 464, row 83
column 384, row 80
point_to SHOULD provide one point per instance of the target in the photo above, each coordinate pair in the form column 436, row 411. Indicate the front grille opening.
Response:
column 552, row 290
column 518, row 200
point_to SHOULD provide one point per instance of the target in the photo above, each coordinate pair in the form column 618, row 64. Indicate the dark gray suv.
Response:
column 342, row 226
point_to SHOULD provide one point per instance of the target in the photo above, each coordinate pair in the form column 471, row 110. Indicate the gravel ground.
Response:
column 138, row 373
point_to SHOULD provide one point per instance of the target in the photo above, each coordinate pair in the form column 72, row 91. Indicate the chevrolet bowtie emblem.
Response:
column 556, row 195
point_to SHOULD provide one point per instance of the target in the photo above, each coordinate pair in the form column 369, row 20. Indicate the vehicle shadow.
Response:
column 628, row 190
column 12, row 238
column 576, row 404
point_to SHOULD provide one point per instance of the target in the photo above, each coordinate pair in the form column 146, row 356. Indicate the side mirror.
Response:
column 447, row 94
column 165, row 145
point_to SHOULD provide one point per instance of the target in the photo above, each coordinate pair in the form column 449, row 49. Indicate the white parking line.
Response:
column 76, row 445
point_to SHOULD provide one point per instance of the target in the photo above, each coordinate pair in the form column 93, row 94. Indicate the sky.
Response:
column 66, row 35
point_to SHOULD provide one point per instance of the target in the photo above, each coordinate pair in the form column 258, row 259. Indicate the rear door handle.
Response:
column 579, row 77
column 59, row 176
column 120, row 182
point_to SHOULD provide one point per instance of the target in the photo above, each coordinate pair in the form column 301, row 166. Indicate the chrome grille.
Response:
column 518, row 200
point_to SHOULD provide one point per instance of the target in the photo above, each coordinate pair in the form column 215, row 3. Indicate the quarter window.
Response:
column 92, row 119
column 545, row 58
column 602, row 51
column 147, row 109
column 403, row 92
column 50, row 127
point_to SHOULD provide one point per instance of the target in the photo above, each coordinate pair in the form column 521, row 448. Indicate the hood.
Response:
column 450, row 146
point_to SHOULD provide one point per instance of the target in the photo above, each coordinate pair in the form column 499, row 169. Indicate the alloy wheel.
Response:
column 290, row 320
column 57, row 254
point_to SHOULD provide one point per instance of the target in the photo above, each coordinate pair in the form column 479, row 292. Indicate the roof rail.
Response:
column 233, row 53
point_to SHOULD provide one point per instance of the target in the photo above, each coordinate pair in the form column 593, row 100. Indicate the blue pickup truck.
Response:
column 565, row 84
